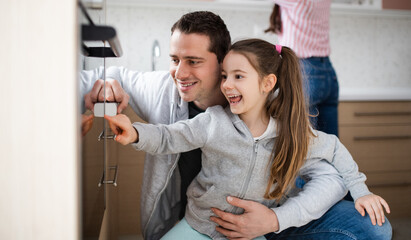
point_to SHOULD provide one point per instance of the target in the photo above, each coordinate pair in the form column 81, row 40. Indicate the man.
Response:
column 199, row 42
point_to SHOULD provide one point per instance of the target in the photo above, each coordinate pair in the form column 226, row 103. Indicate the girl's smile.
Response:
column 234, row 99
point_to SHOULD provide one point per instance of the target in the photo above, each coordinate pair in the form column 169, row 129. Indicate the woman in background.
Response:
column 304, row 27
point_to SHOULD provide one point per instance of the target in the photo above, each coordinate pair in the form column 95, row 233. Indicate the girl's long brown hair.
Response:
column 286, row 103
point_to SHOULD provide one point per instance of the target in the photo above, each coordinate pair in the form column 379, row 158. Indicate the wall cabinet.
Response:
column 378, row 135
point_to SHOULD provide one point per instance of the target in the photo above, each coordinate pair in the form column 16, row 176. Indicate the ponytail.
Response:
column 290, row 109
column 286, row 103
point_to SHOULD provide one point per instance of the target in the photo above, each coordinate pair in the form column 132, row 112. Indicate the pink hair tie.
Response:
column 278, row 48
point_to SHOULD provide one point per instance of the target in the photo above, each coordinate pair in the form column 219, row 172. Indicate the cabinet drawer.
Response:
column 384, row 179
column 398, row 197
column 379, row 148
column 374, row 112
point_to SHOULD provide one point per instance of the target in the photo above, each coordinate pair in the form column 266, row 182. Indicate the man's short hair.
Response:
column 208, row 24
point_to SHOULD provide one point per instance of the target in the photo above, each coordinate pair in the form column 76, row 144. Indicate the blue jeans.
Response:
column 342, row 221
column 322, row 88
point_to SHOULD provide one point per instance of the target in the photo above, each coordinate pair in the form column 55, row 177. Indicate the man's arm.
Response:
column 142, row 90
column 87, row 79
column 112, row 92
column 92, row 88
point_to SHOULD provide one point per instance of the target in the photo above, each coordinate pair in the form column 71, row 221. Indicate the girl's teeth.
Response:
column 235, row 98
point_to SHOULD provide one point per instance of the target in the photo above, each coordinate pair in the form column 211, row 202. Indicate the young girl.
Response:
column 255, row 148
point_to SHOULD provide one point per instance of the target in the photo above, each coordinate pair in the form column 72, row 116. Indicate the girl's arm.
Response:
column 324, row 189
column 337, row 154
column 161, row 139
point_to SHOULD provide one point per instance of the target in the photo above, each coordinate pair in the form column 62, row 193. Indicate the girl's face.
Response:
column 240, row 84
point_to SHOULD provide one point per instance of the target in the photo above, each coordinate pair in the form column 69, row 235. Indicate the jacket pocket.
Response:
column 200, row 202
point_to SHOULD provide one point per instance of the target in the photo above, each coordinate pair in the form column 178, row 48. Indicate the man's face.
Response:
column 195, row 70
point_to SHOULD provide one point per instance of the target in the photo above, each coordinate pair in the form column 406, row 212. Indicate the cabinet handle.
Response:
column 382, row 138
column 114, row 181
column 368, row 114
column 101, row 136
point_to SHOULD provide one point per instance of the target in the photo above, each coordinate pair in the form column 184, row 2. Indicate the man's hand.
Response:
column 86, row 123
column 256, row 220
column 113, row 91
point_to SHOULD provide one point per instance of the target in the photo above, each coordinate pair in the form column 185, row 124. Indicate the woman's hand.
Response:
column 256, row 220
column 373, row 204
column 122, row 128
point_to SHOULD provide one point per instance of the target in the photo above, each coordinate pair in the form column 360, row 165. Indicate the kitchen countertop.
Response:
column 375, row 94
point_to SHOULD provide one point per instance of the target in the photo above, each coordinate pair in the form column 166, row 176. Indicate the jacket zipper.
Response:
column 250, row 170
column 172, row 118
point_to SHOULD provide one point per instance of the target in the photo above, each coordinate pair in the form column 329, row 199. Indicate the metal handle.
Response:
column 393, row 137
column 369, row 114
column 114, row 181
column 101, row 136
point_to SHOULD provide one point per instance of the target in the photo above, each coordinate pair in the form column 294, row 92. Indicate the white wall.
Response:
column 369, row 49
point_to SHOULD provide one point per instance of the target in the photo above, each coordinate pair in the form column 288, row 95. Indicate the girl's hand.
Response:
column 122, row 128
column 373, row 204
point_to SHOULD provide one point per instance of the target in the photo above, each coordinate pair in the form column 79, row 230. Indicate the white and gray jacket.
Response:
column 154, row 97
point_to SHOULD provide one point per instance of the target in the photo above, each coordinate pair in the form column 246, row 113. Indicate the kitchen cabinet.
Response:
column 396, row 4
column 378, row 135
column 111, row 173
column 123, row 200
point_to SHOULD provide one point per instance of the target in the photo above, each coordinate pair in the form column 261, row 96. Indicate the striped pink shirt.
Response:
column 305, row 26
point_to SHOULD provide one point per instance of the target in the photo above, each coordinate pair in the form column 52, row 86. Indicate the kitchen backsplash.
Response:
column 369, row 50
